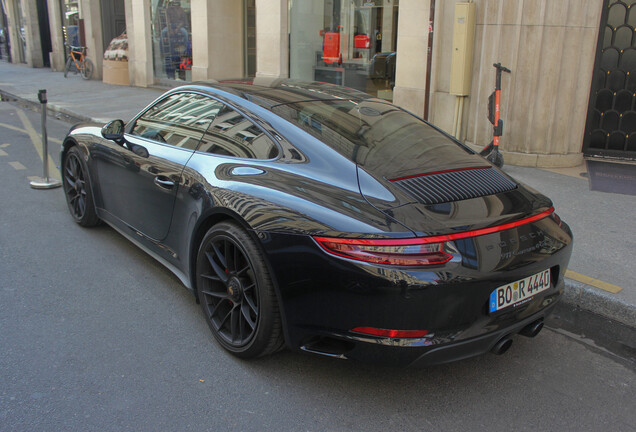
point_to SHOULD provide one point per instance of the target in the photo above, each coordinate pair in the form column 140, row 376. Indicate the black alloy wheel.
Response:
column 236, row 292
column 77, row 189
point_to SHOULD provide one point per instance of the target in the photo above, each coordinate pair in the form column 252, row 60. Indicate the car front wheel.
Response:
column 77, row 189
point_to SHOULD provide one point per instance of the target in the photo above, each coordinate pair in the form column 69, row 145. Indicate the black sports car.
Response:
column 321, row 218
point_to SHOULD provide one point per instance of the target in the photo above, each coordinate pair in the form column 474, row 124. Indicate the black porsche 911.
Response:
column 323, row 219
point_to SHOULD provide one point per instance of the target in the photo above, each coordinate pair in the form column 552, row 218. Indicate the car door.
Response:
column 139, row 179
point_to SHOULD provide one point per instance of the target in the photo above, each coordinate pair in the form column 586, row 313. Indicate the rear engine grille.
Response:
column 455, row 185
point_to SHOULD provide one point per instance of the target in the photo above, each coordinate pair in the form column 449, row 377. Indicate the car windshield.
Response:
column 373, row 134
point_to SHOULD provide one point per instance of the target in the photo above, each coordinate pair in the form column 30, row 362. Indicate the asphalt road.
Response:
column 96, row 335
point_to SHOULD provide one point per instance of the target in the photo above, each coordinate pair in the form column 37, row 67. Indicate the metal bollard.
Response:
column 45, row 182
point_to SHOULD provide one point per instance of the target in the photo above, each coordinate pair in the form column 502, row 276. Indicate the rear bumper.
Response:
column 323, row 298
column 416, row 353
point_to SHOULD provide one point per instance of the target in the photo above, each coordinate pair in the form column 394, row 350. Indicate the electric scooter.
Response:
column 491, row 151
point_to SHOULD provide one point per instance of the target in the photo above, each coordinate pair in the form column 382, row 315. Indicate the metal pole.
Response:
column 45, row 141
column 45, row 182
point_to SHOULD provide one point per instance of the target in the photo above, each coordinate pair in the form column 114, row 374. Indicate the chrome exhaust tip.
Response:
column 502, row 346
column 532, row 329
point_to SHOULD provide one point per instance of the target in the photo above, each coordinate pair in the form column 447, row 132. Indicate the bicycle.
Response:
column 79, row 62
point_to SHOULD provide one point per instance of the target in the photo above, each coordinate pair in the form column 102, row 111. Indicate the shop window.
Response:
column 70, row 22
column 172, row 40
column 345, row 42
column 4, row 35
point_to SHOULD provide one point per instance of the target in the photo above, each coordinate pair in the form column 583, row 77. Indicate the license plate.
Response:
column 518, row 292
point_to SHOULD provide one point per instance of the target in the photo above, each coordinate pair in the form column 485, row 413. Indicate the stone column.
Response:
column 14, row 36
column 272, row 46
column 138, row 30
column 56, row 56
column 412, row 47
column 91, row 13
column 217, row 39
column 387, row 27
column 33, row 52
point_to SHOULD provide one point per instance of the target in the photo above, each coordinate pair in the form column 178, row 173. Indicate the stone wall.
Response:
column 550, row 46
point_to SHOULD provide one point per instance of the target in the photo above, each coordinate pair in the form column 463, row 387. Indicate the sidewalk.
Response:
column 73, row 96
column 603, row 223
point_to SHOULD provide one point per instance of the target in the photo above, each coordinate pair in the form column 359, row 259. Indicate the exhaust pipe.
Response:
column 327, row 346
column 502, row 346
column 532, row 329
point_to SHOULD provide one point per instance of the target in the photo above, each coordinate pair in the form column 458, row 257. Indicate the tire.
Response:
column 236, row 293
column 496, row 158
column 67, row 66
column 493, row 155
column 87, row 70
column 486, row 150
column 77, row 189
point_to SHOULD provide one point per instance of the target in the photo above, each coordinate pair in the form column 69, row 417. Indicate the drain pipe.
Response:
column 456, row 116
column 460, row 116
column 462, row 59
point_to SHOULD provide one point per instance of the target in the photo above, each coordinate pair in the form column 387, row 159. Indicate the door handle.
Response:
column 164, row 182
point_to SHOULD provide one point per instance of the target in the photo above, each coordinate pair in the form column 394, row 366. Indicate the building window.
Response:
column 345, row 42
column 171, row 39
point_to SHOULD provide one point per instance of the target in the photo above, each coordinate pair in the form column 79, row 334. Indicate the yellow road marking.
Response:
column 36, row 139
column 18, row 129
column 3, row 153
column 15, row 128
column 605, row 286
column 17, row 165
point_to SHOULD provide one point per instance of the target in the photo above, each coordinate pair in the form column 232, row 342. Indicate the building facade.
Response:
column 570, row 59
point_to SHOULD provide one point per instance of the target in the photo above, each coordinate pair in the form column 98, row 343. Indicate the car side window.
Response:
column 231, row 134
column 179, row 120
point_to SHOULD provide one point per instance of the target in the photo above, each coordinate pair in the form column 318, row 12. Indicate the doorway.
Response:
column 610, row 129
column 113, row 20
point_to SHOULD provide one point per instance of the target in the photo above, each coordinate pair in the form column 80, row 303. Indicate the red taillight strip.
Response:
column 438, row 238
column 439, row 172
column 390, row 333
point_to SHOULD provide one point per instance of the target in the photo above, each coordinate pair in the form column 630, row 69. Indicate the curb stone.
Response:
column 599, row 302
column 51, row 109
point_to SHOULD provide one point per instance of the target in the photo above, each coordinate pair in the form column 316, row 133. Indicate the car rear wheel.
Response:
column 236, row 292
column 77, row 190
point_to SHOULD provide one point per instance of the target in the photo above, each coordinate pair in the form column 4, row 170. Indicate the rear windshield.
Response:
column 372, row 134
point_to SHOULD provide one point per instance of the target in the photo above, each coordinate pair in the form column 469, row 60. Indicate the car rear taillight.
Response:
column 418, row 251
column 390, row 333
column 382, row 252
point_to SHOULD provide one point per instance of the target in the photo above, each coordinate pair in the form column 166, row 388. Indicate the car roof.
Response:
column 371, row 132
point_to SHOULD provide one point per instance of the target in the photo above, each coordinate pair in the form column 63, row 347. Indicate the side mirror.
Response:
column 114, row 131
